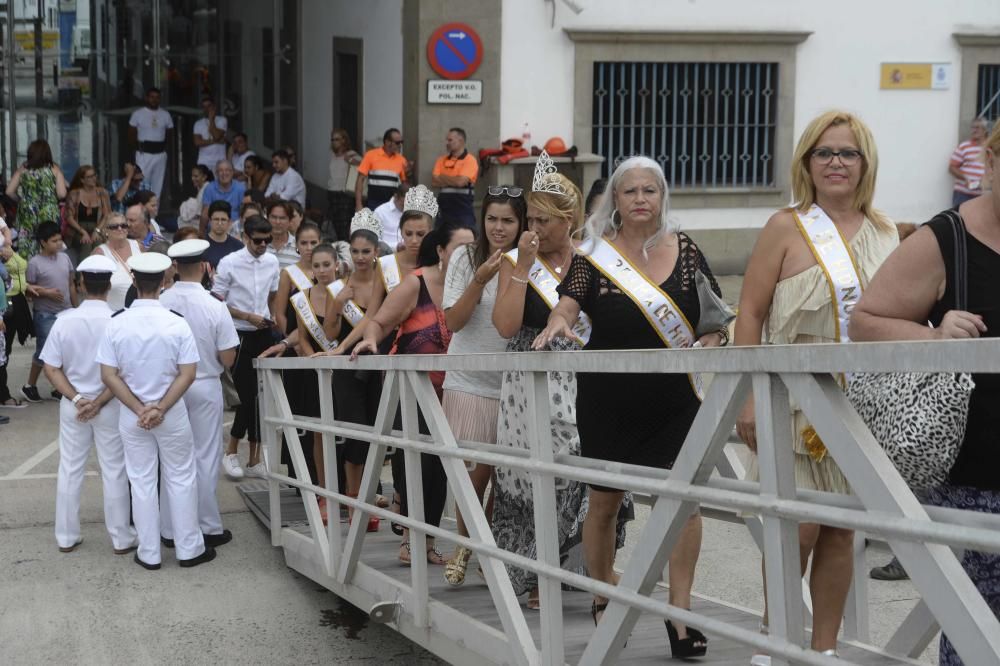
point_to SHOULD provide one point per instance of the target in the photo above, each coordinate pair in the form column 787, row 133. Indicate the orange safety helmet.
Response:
column 556, row 146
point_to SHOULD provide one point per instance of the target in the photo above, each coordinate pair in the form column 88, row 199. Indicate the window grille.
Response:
column 988, row 92
column 709, row 125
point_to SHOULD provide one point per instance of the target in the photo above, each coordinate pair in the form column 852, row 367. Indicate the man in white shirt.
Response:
column 148, row 131
column 389, row 213
column 217, row 341
column 148, row 359
column 282, row 244
column 210, row 135
column 247, row 280
column 88, row 413
column 286, row 183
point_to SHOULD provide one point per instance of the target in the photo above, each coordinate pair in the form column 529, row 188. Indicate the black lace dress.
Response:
column 632, row 418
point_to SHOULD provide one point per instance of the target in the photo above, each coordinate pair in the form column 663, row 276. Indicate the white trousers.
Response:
column 204, row 407
column 75, row 441
column 154, row 167
column 167, row 448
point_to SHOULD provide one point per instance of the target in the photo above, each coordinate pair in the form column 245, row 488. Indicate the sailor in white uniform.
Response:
column 149, row 359
column 217, row 341
column 88, row 413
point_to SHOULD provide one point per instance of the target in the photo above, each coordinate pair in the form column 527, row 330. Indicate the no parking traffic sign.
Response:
column 454, row 51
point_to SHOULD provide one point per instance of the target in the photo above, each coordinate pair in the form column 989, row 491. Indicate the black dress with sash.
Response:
column 633, row 418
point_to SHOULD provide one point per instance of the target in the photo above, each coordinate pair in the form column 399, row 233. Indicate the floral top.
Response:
column 37, row 203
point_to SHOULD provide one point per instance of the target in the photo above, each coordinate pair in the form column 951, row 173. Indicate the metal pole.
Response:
column 276, row 64
column 39, row 74
column 11, row 104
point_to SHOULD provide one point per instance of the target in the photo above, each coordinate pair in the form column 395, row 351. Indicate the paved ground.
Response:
column 92, row 607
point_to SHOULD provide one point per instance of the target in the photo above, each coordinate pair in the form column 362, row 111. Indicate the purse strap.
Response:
column 961, row 268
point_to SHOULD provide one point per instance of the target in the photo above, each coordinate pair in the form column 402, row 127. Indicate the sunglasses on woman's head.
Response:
column 497, row 190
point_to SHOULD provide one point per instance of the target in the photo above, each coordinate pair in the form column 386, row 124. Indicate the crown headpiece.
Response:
column 421, row 199
column 365, row 220
column 545, row 176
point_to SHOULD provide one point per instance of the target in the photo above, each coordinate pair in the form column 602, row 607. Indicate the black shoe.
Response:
column 167, row 543
column 891, row 571
column 148, row 567
column 693, row 645
column 207, row 556
column 215, row 540
column 56, row 395
column 30, row 393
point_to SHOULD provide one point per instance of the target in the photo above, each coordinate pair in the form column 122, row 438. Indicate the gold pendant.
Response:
column 814, row 445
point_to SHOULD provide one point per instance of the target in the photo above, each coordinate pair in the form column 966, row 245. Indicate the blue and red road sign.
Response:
column 455, row 51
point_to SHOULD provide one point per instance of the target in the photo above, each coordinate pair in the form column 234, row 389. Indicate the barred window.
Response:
column 709, row 125
column 988, row 92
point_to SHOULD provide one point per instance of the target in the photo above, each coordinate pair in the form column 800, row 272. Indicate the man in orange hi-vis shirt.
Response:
column 385, row 170
column 455, row 174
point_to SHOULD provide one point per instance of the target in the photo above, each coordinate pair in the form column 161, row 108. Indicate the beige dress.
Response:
column 801, row 313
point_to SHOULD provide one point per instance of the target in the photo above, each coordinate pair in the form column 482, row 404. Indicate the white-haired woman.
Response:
column 628, row 310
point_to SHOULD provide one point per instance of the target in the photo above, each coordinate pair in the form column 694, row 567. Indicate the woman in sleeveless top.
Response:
column 86, row 205
column 415, row 307
column 38, row 184
column 916, row 286
column 472, row 399
column 786, row 294
column 295, row 277
column 630, row 418
column 520, row 314
column 356, row 393
column 119, row 247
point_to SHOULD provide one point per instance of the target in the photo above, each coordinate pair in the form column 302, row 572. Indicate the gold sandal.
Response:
column 454, row 571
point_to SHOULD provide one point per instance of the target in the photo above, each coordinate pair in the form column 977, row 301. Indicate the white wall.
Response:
column 380, row 24
column 837, row 66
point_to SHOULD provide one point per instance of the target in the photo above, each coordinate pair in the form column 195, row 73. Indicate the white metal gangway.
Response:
column 351, row 564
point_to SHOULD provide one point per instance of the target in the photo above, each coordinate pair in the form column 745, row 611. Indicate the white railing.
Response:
column 924, row 538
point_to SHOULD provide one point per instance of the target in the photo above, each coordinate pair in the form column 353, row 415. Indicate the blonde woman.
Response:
column 118, row 247
column 788, row 298
column 529, row 276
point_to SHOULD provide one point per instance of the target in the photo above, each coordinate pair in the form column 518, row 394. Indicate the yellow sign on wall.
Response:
column 26, row 40
column 915, row 76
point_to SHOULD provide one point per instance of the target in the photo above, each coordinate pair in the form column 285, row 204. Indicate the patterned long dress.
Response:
column 37, row 203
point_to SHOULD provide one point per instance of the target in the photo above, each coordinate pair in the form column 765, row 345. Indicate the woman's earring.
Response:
column 616, row 222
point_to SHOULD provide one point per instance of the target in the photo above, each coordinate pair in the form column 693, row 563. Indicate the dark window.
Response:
column 988, row 92
column 709, row 125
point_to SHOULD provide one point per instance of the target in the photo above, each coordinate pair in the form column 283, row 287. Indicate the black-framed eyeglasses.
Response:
column 261, row 241
column 512, row 192
column 397, row 143
column 112, row 227
column 848, row 156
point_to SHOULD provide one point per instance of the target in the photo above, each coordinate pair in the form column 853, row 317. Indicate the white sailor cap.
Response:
column 188, row 251
column 150, row 263
column 96, row 263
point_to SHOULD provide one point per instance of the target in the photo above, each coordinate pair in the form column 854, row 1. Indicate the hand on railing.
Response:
column 274, row 350
column 365, row 345
column 959, row 324
column 556, row 328
column 338, row 351
column 746, row 425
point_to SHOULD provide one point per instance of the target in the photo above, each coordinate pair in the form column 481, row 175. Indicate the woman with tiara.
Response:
column 529, row 276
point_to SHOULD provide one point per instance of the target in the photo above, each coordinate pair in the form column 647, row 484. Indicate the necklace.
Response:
column 562, row 264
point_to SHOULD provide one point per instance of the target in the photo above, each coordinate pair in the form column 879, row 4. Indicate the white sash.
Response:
column 299, row 277
column 303, row 307
column 352, row 311
column 391, row 276
column 835, row 258
column 544, row 283
column 660, row 310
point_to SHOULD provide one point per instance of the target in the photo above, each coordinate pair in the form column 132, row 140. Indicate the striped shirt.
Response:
column 968, row 158
column 384, row 173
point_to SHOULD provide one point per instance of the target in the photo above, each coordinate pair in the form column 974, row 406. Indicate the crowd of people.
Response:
column 401, row 270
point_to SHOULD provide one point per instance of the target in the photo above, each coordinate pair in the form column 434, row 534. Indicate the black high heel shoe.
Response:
column 596, row 608
column 695, row 645
column 397, row 529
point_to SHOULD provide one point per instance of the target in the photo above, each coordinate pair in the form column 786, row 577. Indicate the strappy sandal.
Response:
column 533, row 603
column 695, row 644
column 454, row 571
column 396, row 528
column 596, row 608
column 434, row 555
column 382, row 502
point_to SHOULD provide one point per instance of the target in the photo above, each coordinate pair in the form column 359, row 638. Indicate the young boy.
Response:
column 51, row 286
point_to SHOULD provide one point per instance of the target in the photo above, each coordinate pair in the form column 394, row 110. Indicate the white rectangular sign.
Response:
column 444, row 91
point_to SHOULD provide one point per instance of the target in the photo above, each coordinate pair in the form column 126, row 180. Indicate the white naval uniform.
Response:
column 147, row 343
column 151, row 125
column 214, row 331
column 70, row 347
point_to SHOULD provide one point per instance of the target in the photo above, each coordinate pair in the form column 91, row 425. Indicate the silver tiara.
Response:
column 421, row 199
column 545, row 176
column 365, row 220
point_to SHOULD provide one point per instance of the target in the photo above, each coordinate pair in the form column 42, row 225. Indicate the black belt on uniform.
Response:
column 153, row 147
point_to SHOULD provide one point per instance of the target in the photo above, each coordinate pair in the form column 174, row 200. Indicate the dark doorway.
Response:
column 348, row 96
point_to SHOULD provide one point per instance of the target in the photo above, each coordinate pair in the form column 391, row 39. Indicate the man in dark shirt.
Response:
column 220, row 243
